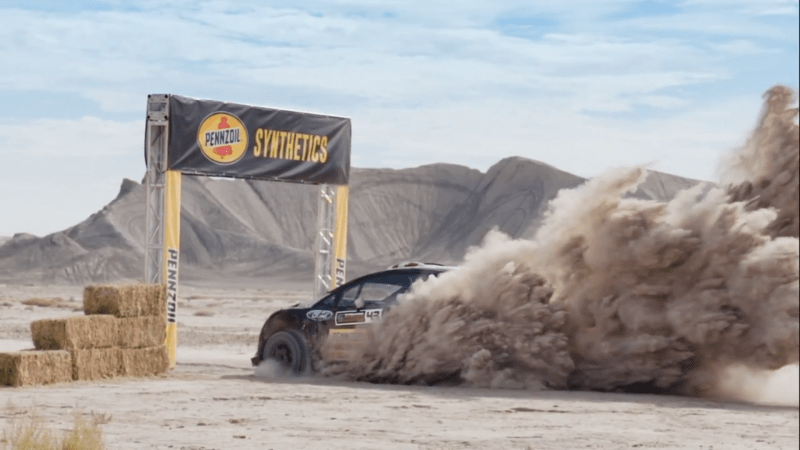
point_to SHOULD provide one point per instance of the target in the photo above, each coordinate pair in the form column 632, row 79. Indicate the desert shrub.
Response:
column 32, row 434
column 83, row 436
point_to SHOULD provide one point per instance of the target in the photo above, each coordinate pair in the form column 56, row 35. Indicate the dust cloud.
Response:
column 273, row 370
column 765, row 170
column 767, row 387
column 697, row 296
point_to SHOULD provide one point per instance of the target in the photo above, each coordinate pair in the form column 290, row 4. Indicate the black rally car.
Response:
column 293, row 336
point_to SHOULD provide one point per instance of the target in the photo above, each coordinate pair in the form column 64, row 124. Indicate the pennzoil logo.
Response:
column 222, row 138
column 172, row 284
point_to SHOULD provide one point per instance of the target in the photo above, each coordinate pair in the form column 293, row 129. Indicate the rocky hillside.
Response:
column 236, row 230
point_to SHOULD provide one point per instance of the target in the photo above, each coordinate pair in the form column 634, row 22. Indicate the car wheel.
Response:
column 287, row 348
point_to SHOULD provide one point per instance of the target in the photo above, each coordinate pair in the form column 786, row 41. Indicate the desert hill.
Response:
column 236, row 230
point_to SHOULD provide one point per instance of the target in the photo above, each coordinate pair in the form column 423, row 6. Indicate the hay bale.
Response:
column 140, row 362
column 131, row 300
column 139, row 332
column 95, row 363
column 98, row 331
column 28, row 368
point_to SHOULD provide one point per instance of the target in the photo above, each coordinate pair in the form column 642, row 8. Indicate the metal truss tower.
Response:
column 156, row 146
column 326, row 224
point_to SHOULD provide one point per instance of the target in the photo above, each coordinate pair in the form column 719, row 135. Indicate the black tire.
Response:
column 289, row 349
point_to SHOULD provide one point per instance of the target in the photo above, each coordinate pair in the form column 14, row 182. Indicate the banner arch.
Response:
column 186, row 136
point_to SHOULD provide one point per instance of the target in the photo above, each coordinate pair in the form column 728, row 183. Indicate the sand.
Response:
column 213, row 399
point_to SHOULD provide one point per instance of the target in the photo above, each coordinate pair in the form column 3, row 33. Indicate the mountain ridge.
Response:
column 235, row 230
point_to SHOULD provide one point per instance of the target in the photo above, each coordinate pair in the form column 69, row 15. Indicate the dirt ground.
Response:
column 214, row 399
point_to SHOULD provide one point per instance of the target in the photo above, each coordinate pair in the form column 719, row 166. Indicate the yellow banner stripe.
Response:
column 172, row 241
column 340, row 237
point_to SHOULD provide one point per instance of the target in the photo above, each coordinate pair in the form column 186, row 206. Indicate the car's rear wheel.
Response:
column 288, row 348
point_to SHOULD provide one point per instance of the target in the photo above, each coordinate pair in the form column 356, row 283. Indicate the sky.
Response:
column 583, row 85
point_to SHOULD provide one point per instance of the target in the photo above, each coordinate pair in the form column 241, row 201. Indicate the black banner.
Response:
column 238, row 141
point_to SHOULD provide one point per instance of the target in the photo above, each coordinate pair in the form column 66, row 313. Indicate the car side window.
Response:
column 348, row 298
column 376, row 292
column 370, row 291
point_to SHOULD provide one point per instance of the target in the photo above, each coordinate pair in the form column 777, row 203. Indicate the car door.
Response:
column 346, row 313
column 369, row 300
column 362, row 304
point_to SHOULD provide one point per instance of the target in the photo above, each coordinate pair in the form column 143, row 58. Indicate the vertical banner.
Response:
column 172, row 246
column 340, row 236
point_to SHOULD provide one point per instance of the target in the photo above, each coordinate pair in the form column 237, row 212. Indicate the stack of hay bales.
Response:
column 122, row 334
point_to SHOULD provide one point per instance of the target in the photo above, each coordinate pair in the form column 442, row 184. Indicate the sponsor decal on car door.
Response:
column 356, row 317
column 319, row 315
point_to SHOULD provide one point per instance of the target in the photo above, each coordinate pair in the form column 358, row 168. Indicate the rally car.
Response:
column 293, row 336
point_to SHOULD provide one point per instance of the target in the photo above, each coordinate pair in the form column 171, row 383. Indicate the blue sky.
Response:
column 582, row 85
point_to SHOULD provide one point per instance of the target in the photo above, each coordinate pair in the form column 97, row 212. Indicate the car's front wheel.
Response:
column 289, row 349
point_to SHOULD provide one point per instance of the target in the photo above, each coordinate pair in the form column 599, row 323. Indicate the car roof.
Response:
column 421, row 265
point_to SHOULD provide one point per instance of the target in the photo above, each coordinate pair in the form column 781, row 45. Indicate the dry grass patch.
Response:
column 29, row 435
column 84, row 435
column 54, row 302
column 32, row 434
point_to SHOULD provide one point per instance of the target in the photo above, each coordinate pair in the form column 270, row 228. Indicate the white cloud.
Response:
column 687, row 144
column 708, row 23
column 87, row 136
column 663, row 101
column 761, row 7
column 742, row 47
column 117, row 58
column 423, row 80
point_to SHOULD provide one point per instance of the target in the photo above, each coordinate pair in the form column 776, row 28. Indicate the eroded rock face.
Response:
column 266, row 230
